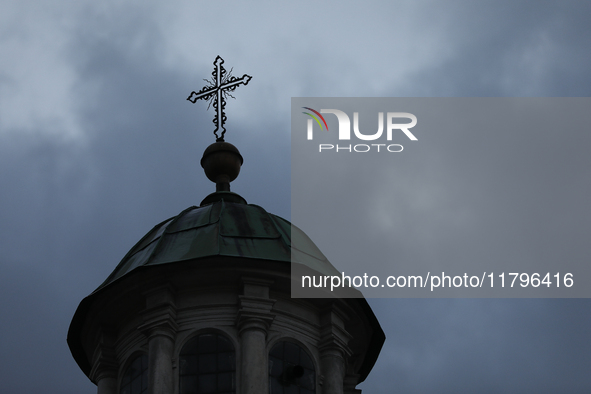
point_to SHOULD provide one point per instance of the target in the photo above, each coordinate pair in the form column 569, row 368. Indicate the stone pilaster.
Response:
column 107, row 385
column 333, row 350
column 160, row 327
column 104, row 364
column 254, row 320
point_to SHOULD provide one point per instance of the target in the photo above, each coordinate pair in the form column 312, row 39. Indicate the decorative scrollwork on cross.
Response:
column 220, row 86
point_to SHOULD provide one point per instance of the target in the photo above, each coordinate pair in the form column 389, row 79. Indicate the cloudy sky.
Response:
column 98, row 144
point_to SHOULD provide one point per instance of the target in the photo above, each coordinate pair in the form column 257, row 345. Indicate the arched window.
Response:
column 208, row 365
column 291, row 370
column 135, row 379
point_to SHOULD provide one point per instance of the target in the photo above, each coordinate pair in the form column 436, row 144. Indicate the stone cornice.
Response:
column 254, row 313
column 334, row 338
column 159, row 317
column 104, row 358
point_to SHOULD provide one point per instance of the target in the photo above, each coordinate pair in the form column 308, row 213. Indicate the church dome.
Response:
column 214, row 284
column 223, row 226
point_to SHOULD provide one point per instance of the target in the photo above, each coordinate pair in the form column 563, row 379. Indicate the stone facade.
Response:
column 157, row 311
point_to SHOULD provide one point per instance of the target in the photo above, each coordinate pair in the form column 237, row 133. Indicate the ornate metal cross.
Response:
column 221, row 85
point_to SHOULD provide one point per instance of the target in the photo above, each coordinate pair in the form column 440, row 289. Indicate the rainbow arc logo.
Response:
column 315, row 118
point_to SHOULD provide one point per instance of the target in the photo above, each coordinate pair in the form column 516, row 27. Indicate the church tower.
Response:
column 202, row 304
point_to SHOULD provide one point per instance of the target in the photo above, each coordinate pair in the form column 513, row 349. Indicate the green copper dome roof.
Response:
column 225, row 227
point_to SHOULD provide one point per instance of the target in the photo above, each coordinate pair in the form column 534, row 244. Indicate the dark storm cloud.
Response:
column 71, row 208
column 508, row 48
column 486, row 346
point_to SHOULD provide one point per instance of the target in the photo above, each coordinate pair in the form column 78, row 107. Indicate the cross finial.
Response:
column 219, row 87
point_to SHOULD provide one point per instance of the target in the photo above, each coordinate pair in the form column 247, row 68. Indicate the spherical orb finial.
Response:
column 221, row 162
